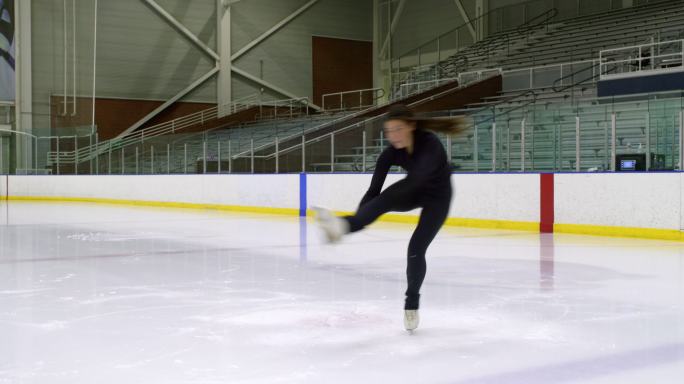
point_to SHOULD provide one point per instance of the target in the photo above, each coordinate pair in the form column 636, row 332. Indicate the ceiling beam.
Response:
column 273, row 29
column 181, row 29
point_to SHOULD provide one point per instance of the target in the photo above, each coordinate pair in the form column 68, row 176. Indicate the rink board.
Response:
column 614, row 204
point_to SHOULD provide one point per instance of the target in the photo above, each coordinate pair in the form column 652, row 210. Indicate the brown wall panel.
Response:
column 341, row 65
column 113, row 116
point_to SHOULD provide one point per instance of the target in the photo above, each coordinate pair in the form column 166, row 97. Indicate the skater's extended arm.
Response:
column 381, row 168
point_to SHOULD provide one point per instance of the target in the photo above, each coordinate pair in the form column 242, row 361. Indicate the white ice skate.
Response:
column 333, row 226
column 411, row 319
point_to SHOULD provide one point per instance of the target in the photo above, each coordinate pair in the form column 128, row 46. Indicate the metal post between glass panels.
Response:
column 230, row 158
column 332, row 152
column 28, row 145
column 681, row 138
column 531, row 81
column 578, row 146
column 35, row 156
column 508, row 146
column 276, row 155
column 137, row 163
column 58, row 155
column 363, row 152
column 532, row 149
column 494, row 147
column 168, row 158
column 448, row 150
column 556, row 140
column 97, row 153
column 152, row 160
column 303, row 154
column 75, row 155
column 218, row 150
column 204, row 156
column 612, row 141
column 90, row 145
column 522, row 145
column 648, row 142
column 674, row 139
column 251, row 152
column 475, row 150
column 123, row 161
column 109, row 159
column 185, row 158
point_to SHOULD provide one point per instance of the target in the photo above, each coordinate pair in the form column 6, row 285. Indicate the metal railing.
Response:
column 545, row 75
column 451, row 42
column 459, row 62
column 302, row 142
column 299, row 140
column 463, row 78
column 522, row 30
column 88, row 152
column 642, row 59
column 410, row 89
column 515, row 134
column 287, row 108
column 28, row 142
column 197, row 152
column 172, row 126
column 348, row 100
column 484, row 48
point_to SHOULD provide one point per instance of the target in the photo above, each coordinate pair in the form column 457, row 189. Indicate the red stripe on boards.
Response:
column 546, row 202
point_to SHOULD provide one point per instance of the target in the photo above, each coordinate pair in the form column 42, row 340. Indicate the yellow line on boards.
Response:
column 162, row 204
column 584, row 229
column 611, row 231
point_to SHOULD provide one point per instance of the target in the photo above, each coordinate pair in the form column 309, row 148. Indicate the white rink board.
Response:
column 275, row 191
column 643, row 200
column 4, row 179
column 625, row 200
column 343, row 192
column 481, row 196
column 496, row 197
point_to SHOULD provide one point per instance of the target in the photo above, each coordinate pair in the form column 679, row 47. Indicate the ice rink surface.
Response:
column 115, row 294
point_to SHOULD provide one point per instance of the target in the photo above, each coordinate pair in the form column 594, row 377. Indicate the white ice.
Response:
column 115, row 294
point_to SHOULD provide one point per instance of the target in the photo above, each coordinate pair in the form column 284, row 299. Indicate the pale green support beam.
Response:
column 393, row 26
column 181, row 28
column 224, row 81
column 168, row 102
column 273, row 30
column 24, row 81
column 466, row 19
column 273, row 87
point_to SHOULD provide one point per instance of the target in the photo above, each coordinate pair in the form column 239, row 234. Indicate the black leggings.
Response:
column 432, row 217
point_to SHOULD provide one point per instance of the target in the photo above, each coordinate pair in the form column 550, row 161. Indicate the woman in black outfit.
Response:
column 427, row 185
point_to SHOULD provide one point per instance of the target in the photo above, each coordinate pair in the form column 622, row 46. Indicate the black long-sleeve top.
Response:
column 428, row 171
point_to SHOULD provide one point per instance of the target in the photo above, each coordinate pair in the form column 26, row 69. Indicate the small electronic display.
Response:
column 628, row 165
